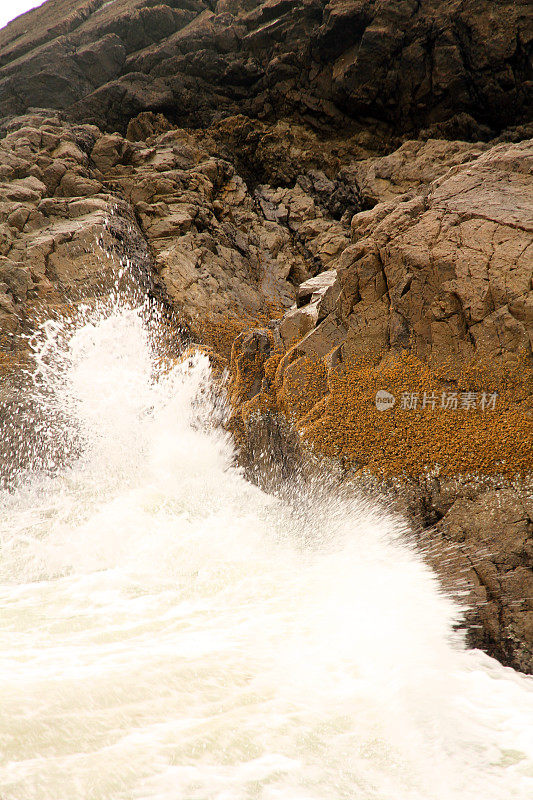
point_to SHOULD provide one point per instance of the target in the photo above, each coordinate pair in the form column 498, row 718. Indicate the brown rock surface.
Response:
column 409, row 64
column 451, row 267
column 55, row 227
column 493, row 532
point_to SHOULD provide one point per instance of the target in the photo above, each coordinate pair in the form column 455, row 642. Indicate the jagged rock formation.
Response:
column 345, row 212
column 446, row 272
column 413, row 64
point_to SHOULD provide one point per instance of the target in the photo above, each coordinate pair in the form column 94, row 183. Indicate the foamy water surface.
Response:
column 169, row 631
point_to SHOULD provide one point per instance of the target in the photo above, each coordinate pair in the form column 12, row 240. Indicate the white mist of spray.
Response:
column 169, row 631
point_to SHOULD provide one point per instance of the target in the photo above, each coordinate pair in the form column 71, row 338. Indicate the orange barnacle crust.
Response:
column 219, row 332
column 406, row 441
column 334, row 409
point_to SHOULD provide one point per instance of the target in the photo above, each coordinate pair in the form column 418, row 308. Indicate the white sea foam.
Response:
column 169, row 631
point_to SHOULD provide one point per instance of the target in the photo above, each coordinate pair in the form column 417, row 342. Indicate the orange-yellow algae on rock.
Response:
column 335, row 412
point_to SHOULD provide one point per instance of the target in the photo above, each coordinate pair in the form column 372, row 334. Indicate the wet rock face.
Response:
column 442, row 271
column 410, row 64
column 75, row 202
column 64, row 233
column 493, row 531
column 479, row 539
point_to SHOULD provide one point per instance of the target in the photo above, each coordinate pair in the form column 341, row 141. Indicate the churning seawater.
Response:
column 169, row 631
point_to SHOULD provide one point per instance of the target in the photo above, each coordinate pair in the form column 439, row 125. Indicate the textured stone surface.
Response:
column 414, row 64
column 445, row 273
column 494, row 535
column 448, row 271
column 64, row 234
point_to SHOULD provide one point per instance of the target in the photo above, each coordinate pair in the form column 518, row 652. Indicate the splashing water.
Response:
column 169, row 631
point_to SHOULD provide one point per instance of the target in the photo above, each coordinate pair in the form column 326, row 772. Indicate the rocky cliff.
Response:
column 406, row 65
column 335, row 200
